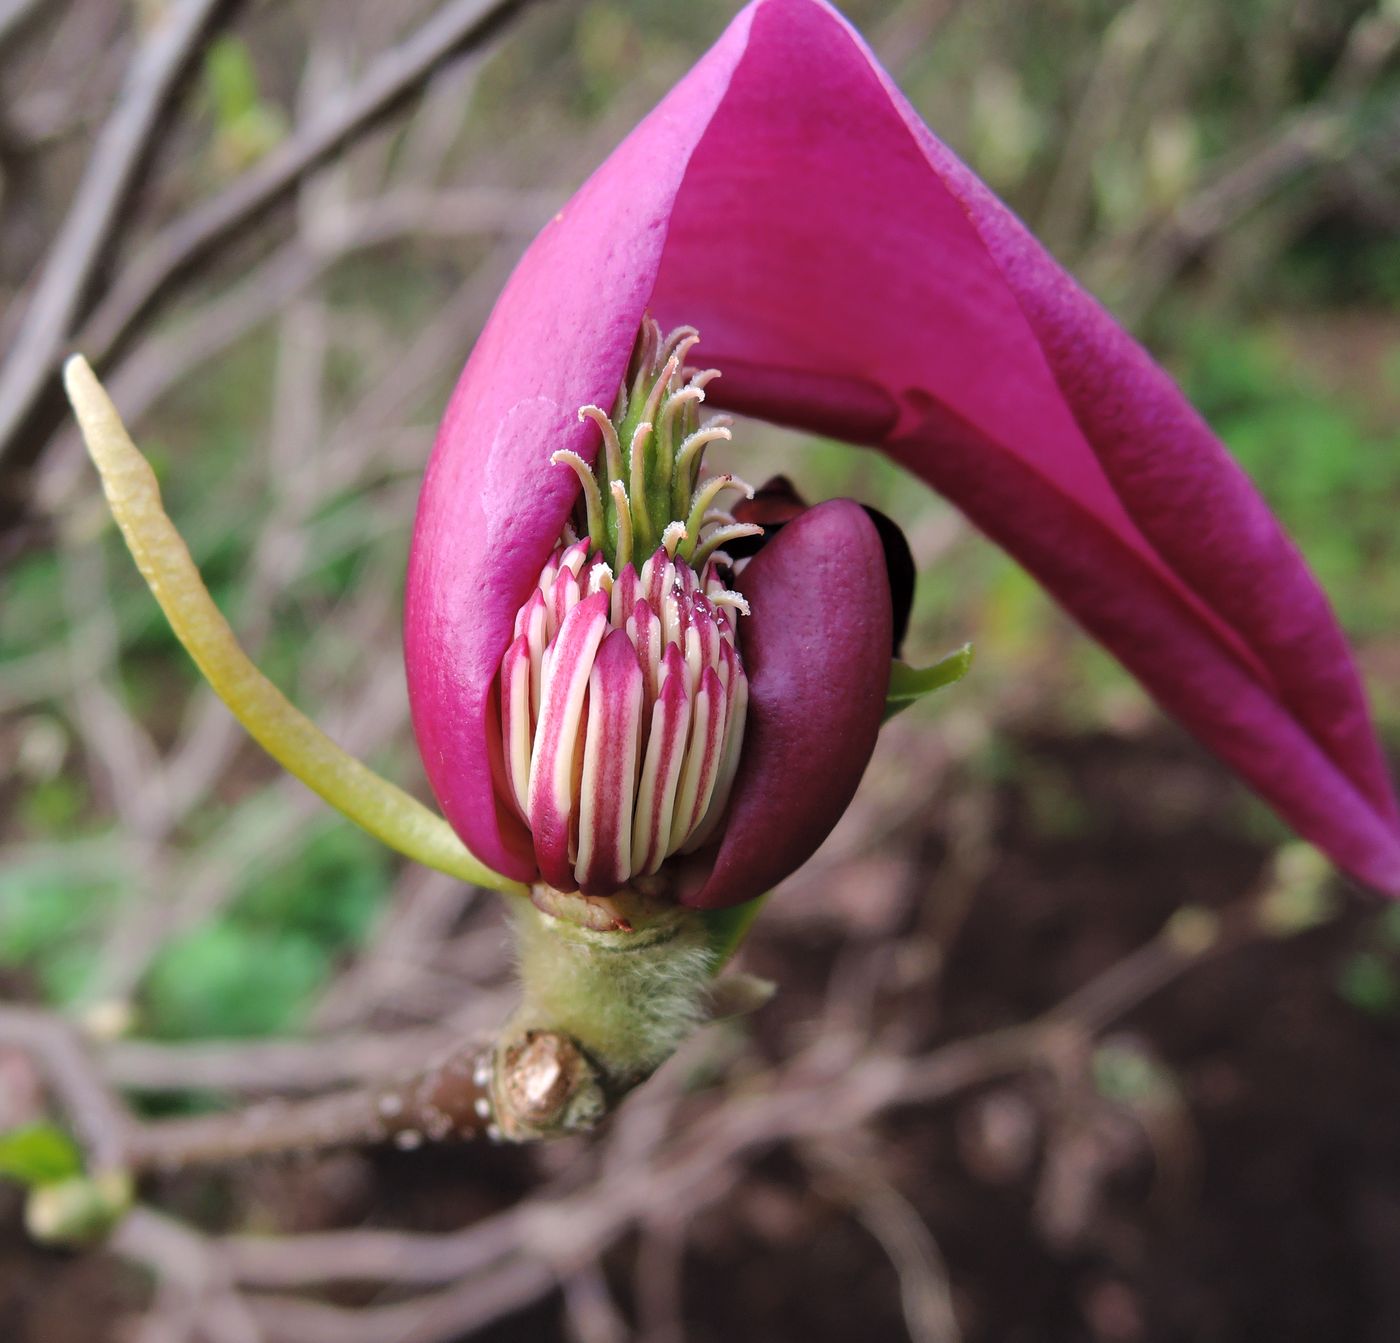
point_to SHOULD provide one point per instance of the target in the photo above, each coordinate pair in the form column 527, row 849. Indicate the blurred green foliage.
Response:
column 245, row 125
column 1369, row 977
column 256, row 969
column 1332, row 477
column 38, row 1154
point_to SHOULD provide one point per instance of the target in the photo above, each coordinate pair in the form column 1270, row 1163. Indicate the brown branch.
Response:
column 453, row 1313
column 266, row 1066
column 195, row 1296
column 664, row 1170
column 94, row 219
column 1330, row 133
column 33, row 408
column 448, row 1100
column 828, row 1090
column 391, row 78
column 1190, row 937
column 402, row 216
column 410, row 1258
column 823, row 1095
column 15, row 19
column 855, row 1179
column 474, row 1091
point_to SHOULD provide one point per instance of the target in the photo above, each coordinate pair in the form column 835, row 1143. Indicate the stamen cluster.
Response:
column 622, row 714
column 645, row 489
column 622, row 695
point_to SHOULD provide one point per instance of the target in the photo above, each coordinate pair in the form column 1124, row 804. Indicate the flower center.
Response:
column 622, row 694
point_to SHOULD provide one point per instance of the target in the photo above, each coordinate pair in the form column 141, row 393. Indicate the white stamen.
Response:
column 672, row 537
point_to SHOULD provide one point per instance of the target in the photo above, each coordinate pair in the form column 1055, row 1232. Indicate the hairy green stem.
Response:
column 625, row 997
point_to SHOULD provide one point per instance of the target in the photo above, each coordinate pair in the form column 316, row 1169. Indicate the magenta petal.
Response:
column 849, row 275
column 492, row 506
column 816, row 650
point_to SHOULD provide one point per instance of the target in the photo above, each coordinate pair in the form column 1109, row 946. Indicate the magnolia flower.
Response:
column 607, row 698
column 619, row 711
column 849, row 276
column 620, row 688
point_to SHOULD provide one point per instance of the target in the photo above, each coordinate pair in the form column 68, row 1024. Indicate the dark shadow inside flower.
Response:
column 776, row 503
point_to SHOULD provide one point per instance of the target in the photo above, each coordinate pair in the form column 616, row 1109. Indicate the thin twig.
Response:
column 164, row 361
column 32, row 408
column 454, row 1313
column 1335, row 129
column 195, row 1296
column 95, row 217
column 855, row 1177
column 833, row 1087
column 283, row 1066
column 391, row 77
column 820, row 1097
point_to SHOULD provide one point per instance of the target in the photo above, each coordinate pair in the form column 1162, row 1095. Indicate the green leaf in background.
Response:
column 1368, row 982
column 231, row 80
column 38, row 1154
column 79, row 1210
column 246, row 126
column 230, row 980
column 908, row 684
column 256, row 969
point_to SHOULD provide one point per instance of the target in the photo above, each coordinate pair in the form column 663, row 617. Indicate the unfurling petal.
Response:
column 851, row 276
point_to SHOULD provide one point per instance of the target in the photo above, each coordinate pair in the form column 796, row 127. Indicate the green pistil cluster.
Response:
column 644, row 490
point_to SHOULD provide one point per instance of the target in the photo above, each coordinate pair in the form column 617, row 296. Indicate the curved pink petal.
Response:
column 817, row 653
column 848, row 274
column 492, row 506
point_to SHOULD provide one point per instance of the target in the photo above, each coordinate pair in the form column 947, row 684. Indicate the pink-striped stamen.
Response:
column 622, row 705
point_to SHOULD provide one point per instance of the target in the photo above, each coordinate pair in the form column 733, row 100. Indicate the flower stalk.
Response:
column 625, row 997
column 282, row 730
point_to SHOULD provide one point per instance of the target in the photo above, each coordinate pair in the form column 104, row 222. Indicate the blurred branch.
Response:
column 96, row 1114
column 451, row 1314
column 856, row 1179
column 1161, row 248
column 94, row 219
column 161, row 362
column 828, row 1090
column 658, row 1167
column 390, row 79
column 592, row 1314
column 194, row 1296
column 284, row 1066
column 1336, row 130
column 28, row 414
column 837, row 1085
column 15, row 18
column 1113, row 81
